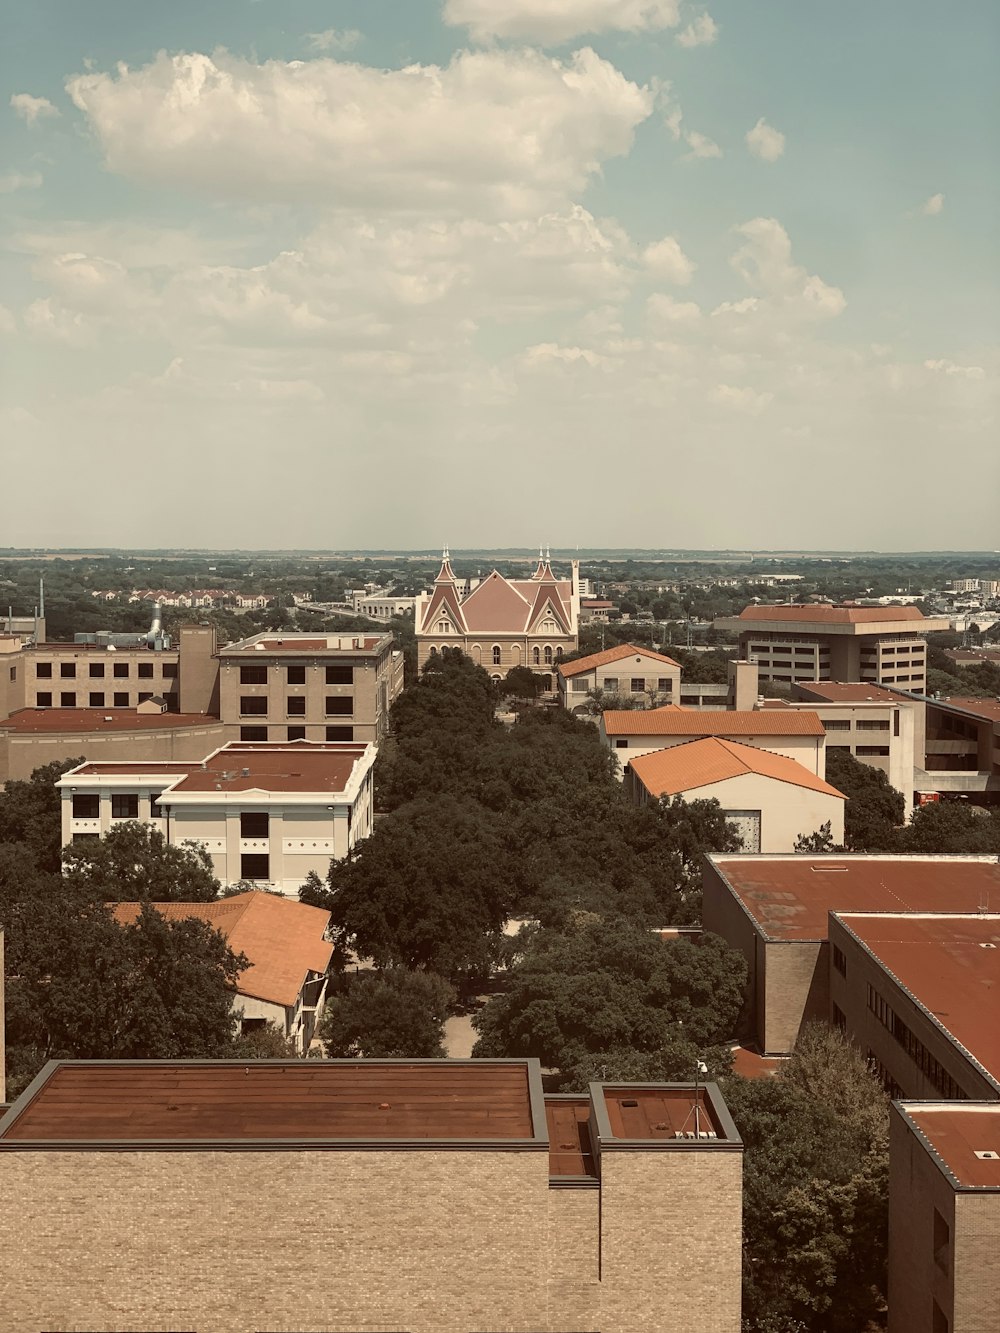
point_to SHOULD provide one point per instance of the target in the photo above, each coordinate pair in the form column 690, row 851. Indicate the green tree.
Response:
column 30, row 813
column 951, row 826
column 521, row 682
column 134, row 861
column 874, row 811
column 818, row 842
column 395, row 1014
column 609, row 990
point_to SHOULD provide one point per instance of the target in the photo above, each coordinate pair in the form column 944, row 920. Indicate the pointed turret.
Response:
column 446, row 574
column 540, row 567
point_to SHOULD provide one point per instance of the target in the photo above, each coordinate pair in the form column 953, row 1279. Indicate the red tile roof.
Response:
column 832, row 615
column 79, row 720
column 699, row 763
column 790, row 897
column 609, row 655
column 282, row 939
column 956, row 1134
column 712, row 722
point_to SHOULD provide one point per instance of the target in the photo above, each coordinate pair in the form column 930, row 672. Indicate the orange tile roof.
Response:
column 608, row 655
column 282, row 939
column 832, row 615
column 712, row 722
column 700, row 763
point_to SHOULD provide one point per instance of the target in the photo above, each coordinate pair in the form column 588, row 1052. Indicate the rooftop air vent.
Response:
column 985, row 944
column 987, row 1155
column 630, row 1102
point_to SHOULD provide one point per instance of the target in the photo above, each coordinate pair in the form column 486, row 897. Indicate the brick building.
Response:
column 429, row 1196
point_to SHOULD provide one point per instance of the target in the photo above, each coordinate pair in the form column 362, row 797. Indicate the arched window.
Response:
column 548, row 654
column 536, row 657
column 434, row 651
column 559, row 654
column 496, row 654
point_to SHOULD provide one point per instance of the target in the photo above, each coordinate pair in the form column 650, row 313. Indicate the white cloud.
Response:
column 506, row 133
column 333, row 39
column 950, row 368
column 19, row 180
column 664, row 310
column 764, row 260
column 931, row 207
column 742, row 399
column 701, row 31
column 556, row 21
column 32, row 109
column 701, row 146
column 765, row 142
column 49, row 319
column 666, row 259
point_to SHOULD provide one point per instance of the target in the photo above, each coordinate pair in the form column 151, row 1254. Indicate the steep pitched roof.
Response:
column 496, row 606
column 609, row 655
column 700, row 763
column 282, row 939
column 712, row 722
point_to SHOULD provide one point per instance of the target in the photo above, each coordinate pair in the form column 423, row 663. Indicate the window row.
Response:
column 338, row 674
column 68, row 699
column 934, row 1072
column 256, row 705
column 295, row 734
column 96, row 670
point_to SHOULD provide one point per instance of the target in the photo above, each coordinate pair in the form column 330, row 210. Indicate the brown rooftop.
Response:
column 832, row 615
column 950, row 965
column 790, row 897
column 245, row 766
column 100, row 720
column 659, row 1113
column 835, row 691
column 987, row 709
column 700, row 763
column 328, row 1101
column 291, row 644
column 609, row 655
column 957, row 1134
column 673, row 721
column 571, row 1153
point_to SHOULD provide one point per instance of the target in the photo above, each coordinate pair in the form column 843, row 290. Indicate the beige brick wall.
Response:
column 796, row 990
column 977, row 1263
column 723, row 915
column 916, row 1188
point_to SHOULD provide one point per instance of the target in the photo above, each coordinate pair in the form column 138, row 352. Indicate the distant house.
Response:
column 625, row 671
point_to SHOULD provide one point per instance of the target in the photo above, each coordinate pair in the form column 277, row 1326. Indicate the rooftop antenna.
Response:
column 41, row 598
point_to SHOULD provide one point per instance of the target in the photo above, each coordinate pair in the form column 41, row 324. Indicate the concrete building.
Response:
column 625, row 671
column 796, row 735
column 944, row 1217
column 382, row 607
column 770, row 799
column 266, row 814
column 960, row 746
column 878, row 645
column 443, row 1197
column 879, row 727
column 502, row 623
column 288, row 952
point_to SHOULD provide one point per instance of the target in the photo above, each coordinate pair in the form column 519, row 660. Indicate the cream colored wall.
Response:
column 21, row 753
column 786, row 810
column 809, row 751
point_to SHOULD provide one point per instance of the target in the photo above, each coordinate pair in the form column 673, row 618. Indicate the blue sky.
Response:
column 327, row 272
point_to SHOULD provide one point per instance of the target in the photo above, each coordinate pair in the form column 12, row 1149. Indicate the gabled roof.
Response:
column 495, row 606
column 711, row 722
column 282, row 939
column 609, row 655
column 444, row 601
column 547, row 599
column 695, row 764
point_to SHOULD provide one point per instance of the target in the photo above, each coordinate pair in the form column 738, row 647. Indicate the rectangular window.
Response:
column 340, row 733
column 43, row 699
column 124, row 805
column 169, row 670
column 664, row 684
column 97, row 671
column 254, row 824
column 143, row 695
column 296, row 733
column 253, row 733
column 895, row 723
column 839, row 1019
column 942, row 1242
column 96, row 699
column 621, row 744
column 637, row 684
column 255, row 865
column 837, row 724
column 842, row 749
column 882, row 751
column 67, row 699
column 121, row 699
column 86, row 806
column 340, row 675
column 610, row 684
column 253, row 705
column 67, row 670
column 868, row 724
column 156, row 810
column 296, row 675
column 43, row 670
column 295, row 705
column 253, row 675
column 839, row 961
column 145, row 671
column 579, row 686
column 339, row 707
column 121, row 671
column 85, row 837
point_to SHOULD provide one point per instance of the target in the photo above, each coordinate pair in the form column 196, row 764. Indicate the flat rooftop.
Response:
column 825, row 618
column 571, row 1153
column 54, row 720
column 673, row 721
column 307, row 643
column 950, row 965
column 790, row 897
column 957, row 1133
column 988, row 709
column 325, row 1101
column 838, row 692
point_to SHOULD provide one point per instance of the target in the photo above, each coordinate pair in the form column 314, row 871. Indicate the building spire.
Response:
column 446, row 574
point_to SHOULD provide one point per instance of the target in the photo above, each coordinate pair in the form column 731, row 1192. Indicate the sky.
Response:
column 396, row 273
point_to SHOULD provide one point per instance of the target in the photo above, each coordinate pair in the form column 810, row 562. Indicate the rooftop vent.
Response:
column 244, row 772
column 987, row 1155
column 828, row 869
column 630, row 1102
column 985, row 944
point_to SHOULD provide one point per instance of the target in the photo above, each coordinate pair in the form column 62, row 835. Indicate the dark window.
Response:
column 169, row 670
column 67, row 670
column 664, row 684
column 296, row 705
column 296, row 733
column 339, row 707
column 880, row 750
column 253, row 733
column 839, row 1019
column 255, row 865
column 97, row 671
column 67, row 699
column 637, row 684
column 296, row 675
column 43, row 699
column 254, row 824
column 340, row 733
column 145, row 671
column 942, row 1242
column 939, row 1320
column 125, row 805
column 252, row 705
column 868, row 724
column 253, row 675
column 96, row 699
column 621, row 744
column 497, row 654
column 839, row 961
column 156, row 810
column 143, row 695
column 121, row 699
column 86, row 806
column 121, row 670
column 895, row 723
column 86, row 837
column 43, row 670
column 340, row 675
column 839, row 724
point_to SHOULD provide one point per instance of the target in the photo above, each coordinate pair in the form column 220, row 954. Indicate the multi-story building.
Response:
column 502, row 623
column 799, row 735
column 266, row 814
column 960, row 748
column 878, row 727
column 624, row 671
column 335, row 687
column 881, row 645
column 446, row 1196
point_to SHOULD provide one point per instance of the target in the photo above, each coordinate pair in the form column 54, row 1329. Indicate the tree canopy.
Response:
column 134, row 861
column 874, row 809
column 30, row 813
column 396, row 1014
